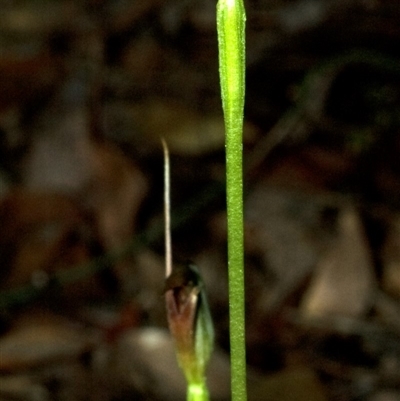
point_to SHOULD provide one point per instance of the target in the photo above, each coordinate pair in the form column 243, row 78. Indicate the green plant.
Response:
column 231, row 43
column 187, row 310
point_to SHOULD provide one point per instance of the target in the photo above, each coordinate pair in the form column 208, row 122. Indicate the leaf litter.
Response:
column 84, row 97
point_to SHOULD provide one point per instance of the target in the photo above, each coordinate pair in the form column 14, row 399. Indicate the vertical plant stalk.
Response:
column 231, row 20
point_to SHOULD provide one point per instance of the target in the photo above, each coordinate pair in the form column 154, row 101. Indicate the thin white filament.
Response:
column 167, row 211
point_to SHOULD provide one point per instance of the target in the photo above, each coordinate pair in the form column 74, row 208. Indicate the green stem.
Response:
column 197, row 392
column 231, row 40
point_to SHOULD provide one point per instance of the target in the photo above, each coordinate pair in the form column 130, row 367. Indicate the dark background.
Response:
column 87, row 88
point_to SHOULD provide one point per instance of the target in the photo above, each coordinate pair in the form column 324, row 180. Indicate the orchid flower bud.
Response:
column 190, row 322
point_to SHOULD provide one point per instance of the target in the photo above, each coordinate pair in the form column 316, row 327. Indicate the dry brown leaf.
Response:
column 66, row 158
column 115, row 192
column 34, row 235
column 39, row 338
column 23, row 80
column 284, row 230
column 343, row 281
column 391, row 260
